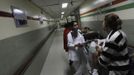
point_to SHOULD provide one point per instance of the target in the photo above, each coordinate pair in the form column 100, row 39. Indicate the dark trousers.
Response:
column 102, row 70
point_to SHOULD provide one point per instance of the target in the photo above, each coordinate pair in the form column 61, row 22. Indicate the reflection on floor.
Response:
column 56, row 62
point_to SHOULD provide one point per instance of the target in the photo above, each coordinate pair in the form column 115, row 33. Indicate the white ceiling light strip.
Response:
column 62, row 13
column 64, row 5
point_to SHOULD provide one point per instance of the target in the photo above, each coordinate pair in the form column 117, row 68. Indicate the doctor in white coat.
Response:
column 75, row 45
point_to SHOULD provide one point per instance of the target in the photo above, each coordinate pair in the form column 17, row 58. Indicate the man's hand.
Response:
column 98, row 50
column 79, row 45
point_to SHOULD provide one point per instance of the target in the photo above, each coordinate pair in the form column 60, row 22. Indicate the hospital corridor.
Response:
column 66, row 37
column 57, row 61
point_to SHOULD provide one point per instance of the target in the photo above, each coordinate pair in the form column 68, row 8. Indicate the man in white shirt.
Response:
column 75, row 45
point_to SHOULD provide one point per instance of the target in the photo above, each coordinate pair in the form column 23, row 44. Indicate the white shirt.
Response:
column 71, row 43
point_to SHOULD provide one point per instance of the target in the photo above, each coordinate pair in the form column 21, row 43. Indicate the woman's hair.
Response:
column 112, row 21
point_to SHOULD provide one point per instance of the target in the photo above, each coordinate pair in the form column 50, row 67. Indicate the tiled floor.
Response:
column 56, row 62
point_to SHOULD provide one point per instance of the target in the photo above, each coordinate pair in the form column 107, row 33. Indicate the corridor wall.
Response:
column 93, row 12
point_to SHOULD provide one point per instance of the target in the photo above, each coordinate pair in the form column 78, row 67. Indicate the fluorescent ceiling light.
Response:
column 99, row 1
column 64, row 5
column 62, row 13
column 102, row 0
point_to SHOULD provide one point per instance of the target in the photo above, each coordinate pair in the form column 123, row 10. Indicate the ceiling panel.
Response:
column 53, row 7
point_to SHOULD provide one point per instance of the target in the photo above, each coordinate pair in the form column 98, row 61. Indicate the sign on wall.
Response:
column 41, row 20
column 20, row 17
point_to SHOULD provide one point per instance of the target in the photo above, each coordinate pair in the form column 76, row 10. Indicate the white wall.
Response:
column 7, row 25
column 95, row 21
column 123, row 14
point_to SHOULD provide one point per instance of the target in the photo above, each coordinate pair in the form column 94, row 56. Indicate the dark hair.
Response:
column 73, row 21
column 68, row 25
column 87, row 28
column 93, row 35
column 112, row 21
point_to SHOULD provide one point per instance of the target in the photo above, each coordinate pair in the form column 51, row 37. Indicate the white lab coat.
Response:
column 71, row 43
column 76, row 54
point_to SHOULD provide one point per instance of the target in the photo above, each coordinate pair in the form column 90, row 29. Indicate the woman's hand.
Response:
column 98, row 50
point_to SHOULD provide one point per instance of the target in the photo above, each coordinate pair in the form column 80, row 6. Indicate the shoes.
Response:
column 89, row 72
column 95, row 72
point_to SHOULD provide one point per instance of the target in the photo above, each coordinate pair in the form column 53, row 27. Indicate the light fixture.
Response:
column 102, row 0
column 99, row 1
column 62, row 13
column 64, row 5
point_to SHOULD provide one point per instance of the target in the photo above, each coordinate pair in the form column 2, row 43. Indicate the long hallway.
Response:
column 56, row 62
column 31, row 36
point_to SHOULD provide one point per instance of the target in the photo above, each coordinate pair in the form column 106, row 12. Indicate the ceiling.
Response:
column 54, row 7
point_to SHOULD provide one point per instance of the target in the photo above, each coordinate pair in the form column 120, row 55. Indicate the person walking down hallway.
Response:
column 114, row 52
column 68, row 27
column 75, row 48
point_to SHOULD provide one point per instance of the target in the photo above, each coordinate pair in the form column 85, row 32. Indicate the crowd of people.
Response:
column 92, row 54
